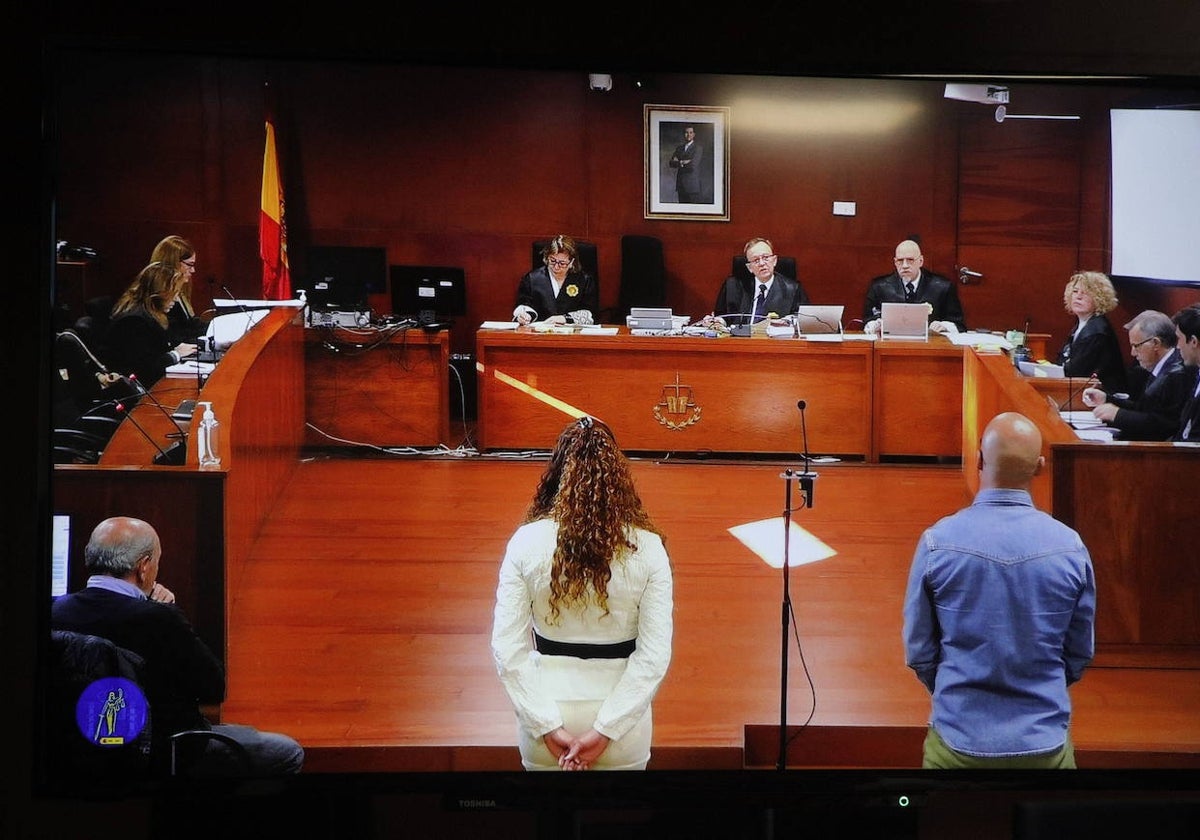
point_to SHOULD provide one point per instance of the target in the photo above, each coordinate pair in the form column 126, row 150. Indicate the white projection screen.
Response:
column 1156, row 195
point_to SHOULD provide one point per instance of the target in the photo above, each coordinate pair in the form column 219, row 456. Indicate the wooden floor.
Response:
column 360, row 623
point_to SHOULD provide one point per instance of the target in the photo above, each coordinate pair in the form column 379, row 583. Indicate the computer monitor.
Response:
column 429, row 293
column 338, row 278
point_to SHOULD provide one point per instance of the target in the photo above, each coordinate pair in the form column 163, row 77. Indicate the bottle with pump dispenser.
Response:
column 208, row 440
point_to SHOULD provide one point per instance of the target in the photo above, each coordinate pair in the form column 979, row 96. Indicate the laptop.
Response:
column 813, row 320
column 904, row 320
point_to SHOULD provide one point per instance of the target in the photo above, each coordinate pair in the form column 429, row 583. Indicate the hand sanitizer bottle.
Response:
column 208, row 439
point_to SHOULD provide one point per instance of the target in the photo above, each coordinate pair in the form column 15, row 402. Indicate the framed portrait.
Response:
column 687, row 162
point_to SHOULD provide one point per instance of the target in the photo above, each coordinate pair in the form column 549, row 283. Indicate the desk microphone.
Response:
column 173, row 455
column 179, row 432
column 240, row 305
column 807, row 478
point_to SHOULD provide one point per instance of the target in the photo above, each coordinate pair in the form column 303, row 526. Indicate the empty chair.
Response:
column 643, row 275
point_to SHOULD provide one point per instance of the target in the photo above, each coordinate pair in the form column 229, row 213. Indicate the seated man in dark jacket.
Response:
column 763, row 294
column 124, row 602
column 1154, row 413
column 911, row 283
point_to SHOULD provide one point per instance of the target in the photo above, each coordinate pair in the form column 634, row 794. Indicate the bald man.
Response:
column 124, row 602
column 911, row 282
column 999, row 617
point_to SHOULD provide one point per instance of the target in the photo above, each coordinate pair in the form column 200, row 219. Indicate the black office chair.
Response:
column 784, row 265
column 643, row 275
column 85, row 396
column 92, row 326
column 76, row 661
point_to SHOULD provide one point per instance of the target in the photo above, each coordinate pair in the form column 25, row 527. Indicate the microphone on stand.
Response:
column 173, row 455
column 179, row 432
column 807, row 478
column 240, row 305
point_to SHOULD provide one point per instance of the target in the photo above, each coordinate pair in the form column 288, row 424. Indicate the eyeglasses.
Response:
column 560, row 263
column 760, row 259
column 903, row 260
column 190, row 263
column 1136, row 344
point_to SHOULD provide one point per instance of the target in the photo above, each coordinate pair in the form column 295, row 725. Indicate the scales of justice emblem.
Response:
column 675, row 409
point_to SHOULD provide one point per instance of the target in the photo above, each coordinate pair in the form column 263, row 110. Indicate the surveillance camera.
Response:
column 600, row 81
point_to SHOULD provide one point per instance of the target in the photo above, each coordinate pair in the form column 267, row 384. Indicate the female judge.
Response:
column 559, row 291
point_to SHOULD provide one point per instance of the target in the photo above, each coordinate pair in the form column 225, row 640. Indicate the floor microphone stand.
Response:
column 781, row 764
column 806, row 479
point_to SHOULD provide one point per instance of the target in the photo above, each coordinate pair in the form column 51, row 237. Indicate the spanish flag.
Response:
column 272, row 230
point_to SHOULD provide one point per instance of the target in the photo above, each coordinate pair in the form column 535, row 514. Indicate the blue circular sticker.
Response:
column 112, row 712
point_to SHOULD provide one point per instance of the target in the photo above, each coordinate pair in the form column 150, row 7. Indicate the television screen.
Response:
column 381, row 161
column 429, row 292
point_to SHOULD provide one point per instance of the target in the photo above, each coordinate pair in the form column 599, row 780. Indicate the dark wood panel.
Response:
column 364, row 389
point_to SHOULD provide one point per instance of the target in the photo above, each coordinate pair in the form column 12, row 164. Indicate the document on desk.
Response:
column 190, row 367
column 499, row 325
column 244, row 303
column 224, row 330
column 977, row 339
column 1087, row 427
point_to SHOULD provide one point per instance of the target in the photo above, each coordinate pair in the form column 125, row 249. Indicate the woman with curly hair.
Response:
column 1091, row 348
column 583, row 619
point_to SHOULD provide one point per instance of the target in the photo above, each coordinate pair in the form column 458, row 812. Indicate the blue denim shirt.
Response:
column 998, row 621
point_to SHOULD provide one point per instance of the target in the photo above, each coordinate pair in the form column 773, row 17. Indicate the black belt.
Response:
column 616, row 650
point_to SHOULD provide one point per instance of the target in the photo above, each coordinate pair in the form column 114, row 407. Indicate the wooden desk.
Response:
column 206, row 519
column 738, row 395
column 675, row 393
column 377, row 388
column 917, row 398
column 1133, row 504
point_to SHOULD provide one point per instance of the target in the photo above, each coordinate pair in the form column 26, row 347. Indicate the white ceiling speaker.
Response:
column 599, row 81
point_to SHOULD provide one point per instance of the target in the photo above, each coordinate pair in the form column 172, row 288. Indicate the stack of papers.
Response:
column 977, row 339
column 1087, row 427
column 499, row 325
column 1041, row 370
column 191, row 367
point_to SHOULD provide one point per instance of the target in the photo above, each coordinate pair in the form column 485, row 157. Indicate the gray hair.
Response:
column 1155, row 324
column 117, row 544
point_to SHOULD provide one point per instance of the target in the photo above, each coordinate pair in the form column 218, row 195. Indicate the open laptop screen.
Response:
column 904, row 320
column 812, row 320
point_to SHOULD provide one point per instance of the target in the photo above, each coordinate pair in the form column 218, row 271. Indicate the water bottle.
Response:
column 208, row 439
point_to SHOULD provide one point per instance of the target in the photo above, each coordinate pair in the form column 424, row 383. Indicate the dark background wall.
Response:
column 466, row 166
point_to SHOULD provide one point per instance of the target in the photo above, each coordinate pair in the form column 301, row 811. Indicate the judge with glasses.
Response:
column 911, row 282
column 764, row 292
column 560, row 291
